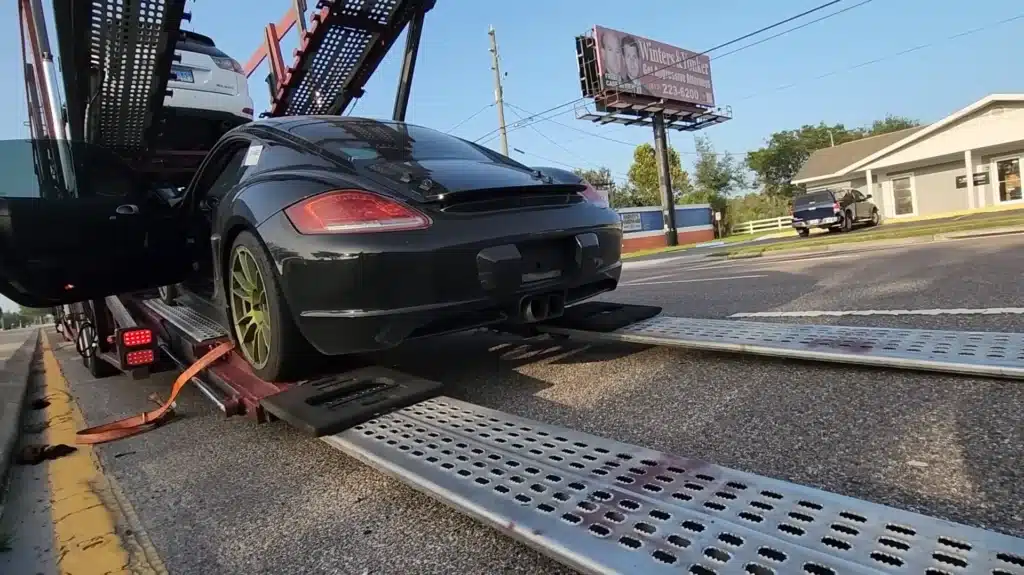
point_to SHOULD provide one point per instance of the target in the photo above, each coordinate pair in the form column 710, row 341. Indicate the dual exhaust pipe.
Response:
column 537, row 308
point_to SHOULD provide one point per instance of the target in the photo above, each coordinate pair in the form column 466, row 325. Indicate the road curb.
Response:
column 14, row 378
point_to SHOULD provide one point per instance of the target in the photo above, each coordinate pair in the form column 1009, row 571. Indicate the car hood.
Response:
column 429, row 180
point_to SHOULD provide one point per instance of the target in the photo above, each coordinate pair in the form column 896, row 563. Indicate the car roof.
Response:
column 187, row 36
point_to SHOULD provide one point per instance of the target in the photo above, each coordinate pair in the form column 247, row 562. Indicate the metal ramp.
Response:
column 338, row 52
column 601, row 506
column 990, row 354
column 116, row 58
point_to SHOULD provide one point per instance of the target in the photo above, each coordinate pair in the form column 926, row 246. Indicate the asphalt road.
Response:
column 11, row 340
column 226, row 496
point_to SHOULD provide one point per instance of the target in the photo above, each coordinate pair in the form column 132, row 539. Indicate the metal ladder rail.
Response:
column 601, row 506
column 342, row 47
column 116, row 57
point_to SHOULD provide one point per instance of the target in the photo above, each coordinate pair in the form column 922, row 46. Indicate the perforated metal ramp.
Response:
column 601, row 506
column 194, row 324
column 343, row 46
column 130, row 44
column 975, row 353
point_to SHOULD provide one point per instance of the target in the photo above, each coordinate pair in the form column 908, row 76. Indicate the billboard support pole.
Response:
column 665, row 180
column 499, row 97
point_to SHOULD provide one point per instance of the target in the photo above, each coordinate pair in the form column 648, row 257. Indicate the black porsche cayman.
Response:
column 342, row 235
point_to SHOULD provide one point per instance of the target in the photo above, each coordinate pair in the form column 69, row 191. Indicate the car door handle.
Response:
column 127, row 210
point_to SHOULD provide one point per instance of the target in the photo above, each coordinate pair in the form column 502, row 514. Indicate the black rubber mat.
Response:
column 335, row 403
column 602, row 316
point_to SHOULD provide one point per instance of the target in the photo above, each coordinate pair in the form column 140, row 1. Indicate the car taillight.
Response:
column 228, row 64
column 593, row 196
column 136, row 337
column 139, row 357
column 353, row 211
column 836, row 208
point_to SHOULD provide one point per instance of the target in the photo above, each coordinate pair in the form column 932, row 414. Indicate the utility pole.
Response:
column 499, row 99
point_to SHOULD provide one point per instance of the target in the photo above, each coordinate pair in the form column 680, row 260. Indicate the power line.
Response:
column 553, row 142
column 615, row 175
column 475, row 114
column 603, row 137
column 822, row 76
column 793, row 29
column 889, row 57
column 704, row 53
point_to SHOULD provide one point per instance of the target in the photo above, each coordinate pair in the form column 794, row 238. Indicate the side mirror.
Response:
column 868, row 197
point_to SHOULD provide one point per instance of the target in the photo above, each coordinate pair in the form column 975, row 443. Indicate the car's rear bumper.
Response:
column 816, row 222
column 375, row 299
column 214, row 103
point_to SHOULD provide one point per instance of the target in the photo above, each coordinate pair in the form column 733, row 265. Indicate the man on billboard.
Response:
column 611, row 58
column 633, row 73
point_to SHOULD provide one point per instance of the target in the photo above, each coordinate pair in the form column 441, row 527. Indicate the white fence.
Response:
column 754, row 226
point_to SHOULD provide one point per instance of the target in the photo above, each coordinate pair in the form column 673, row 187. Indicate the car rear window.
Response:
column 822, row 197
column 192, row 42
column 373, row 140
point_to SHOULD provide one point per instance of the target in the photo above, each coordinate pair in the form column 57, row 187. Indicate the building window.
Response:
column 903, row 196
column 1008, row 180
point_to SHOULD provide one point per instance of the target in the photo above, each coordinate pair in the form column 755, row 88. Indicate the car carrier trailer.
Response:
column 591, row 503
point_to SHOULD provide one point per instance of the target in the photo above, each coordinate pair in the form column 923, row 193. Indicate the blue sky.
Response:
column 535, row 38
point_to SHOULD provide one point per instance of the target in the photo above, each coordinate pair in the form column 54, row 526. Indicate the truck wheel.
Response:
column 261, row 323
column 875, row 218
column 804, row 232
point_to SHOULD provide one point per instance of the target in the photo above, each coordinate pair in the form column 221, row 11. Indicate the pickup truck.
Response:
column 835, row 210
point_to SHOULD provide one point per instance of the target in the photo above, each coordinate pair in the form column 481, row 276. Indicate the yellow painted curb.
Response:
column 95, row 530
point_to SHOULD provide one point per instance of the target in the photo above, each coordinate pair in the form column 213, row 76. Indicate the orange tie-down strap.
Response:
column 151, row 419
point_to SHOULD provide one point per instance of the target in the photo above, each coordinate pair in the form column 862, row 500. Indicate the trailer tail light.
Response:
column 139, row 357
column 136, row 337
column 353, row 212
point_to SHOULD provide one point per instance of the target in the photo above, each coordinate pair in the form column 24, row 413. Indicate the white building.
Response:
column 923, row 171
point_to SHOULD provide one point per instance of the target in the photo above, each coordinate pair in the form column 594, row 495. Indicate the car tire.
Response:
column 804, row 232
column 876, row 218
column 269, row 340
column 99, row 368
column 169, row 293
column 847, row 223
column 87, row 336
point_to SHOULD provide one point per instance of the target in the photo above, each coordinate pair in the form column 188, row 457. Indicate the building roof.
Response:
column 840, row 160
column 829, row 161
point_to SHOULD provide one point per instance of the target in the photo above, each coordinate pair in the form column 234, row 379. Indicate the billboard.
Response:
column 640, row 66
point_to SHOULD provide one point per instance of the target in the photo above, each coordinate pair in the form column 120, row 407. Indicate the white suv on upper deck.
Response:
column 209, row 93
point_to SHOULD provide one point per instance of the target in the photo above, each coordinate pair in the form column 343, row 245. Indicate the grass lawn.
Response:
column 880, row 233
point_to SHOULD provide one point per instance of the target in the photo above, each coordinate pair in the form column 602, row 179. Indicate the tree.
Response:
column 643, row 176
column 778, row 162
column 600, row 178
column 715, row 174
column 891, row 124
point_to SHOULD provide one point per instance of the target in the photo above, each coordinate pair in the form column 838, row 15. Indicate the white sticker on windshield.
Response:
column 253, row 155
